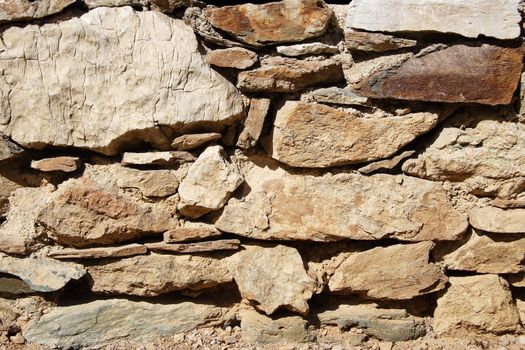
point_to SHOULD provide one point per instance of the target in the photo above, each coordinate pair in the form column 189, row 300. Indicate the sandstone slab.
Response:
column 276, row 22
column 318, row 136
column 385, row 164
column 192, row 141
column 235, row 57
column 191, row 231
column 396, row 272
column 83, row 104
column 100, row 252
column 486, row 74
column 19, row 10
column 338, row 96
column 157, row 158
column 209, row 183
column 498, row 220
column 194, row 247
column 307, row 49
column 482, row 302
column 100, row 322
column 65, row 164
column 151, row 183
column 253, row 125
column 375, row 42
column 495, row 18
column 271, row 278
column 8, row 149
column 280, row 74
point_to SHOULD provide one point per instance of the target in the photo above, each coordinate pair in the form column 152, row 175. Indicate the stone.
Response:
column 192, row 141
column 9, row 314
column 100, row 322
column 482, row 302
column 273, row 23
column 520, row 304
column 385, row 164
column 83, row 104
column 157, row 158
column 375, row 42
column 23, row 10
column 41, row 275
column 151, row 183
column 517, row 280
column 253, row 125
column 13, row 286
column 91, row 4
column 82, row 216
column 507, row 203
column 397, row 272
column 100, row 252
column 307, row 49
column 194, row 247
column 257, row 328
column 495, row 18
column 472, row 155
column 280, row 74
column 191, row 231
column 64, row 164
column 209, row 183
column 156, row 274
column 338, row 96
column 385, row 324
column 496, row 220
column 317, row 136
column 7, row 186
column 441, row 75
column 235, row 57
column 8, row 149
column 285, row 206
column 284, row 285
column 487, row 254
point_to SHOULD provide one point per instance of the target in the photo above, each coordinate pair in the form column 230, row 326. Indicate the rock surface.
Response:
column 338, row 96
column 318, row 136
column 19, row 10
column 191, row 231
column 34, row 118
column 265, row 330
column 13, row 286
column 375, row 42
column 276, row 22
column 100, row 252
column 157, row 158
column 192, row 141
column 254, row 123
column 7, row 187
column 8, row 149
column 385, row 164
column 194, row 247
column 498, row 220
column 64, row 164
column 441, row 75
column 235, row 57
column 307, row 49
column 151, row 183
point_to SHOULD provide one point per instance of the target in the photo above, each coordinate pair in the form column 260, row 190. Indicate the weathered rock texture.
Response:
column 19, row 10
column 497, row 220
column 235, row 57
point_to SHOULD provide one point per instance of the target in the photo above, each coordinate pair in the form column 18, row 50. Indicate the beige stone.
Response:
column 235, row 57
column 8, row 149
column 191, row 231
column 18, row 10
column 520, row 304
column 376, row 42
column 307, row 49
column 507, row 203
column 254, row 123
column 192, row 141
column 100, row 252
column 194, row 247
column 151, row 183
column 385, row 164
column 65, row 164
column 479, row 303
column 7, row 186
column 498, row 220
column 338, row 96
column 8, row 315
column 157, row 158
column 318, row 136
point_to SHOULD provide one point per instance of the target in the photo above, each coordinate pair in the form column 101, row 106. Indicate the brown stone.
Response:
column 279, row 74
column 507, row 203
column 100, row 252
column 157, row 158
column 276, row 22
column 14, row 286
column 65, row 164
column 496, row 220
column 460, row 73
column 7, row 186
column 190, row 231
column 194, row 247
column 235, row 57
column 376, row 42
column 254, row 123
column 16, row 10
column 386, row 164
column 192, row 141
column 337, row 96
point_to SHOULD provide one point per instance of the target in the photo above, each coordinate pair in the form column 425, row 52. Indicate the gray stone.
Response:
column 307, row 49
column 338, row 96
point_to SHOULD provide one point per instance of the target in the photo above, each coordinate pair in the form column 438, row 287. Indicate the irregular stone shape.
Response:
column 9, row 314
column 100, row 322
column 397, row 272
column 307, row 49
column 376, row 42
column 18, row 10
column 65, row 164
column 495, row 18
column 392, row 325
column 517, row 280
column 498, row 220
column 343, row 206
column 254, row 123
column 285, row 285
column 192, row 141
column 7, row 186
column 13, row 286
column 490, row 77
column 473, row 155
column 83, row 104
column 209, row 183
column 279, row 74
column 317, row 136
column 386, row 164
column 100, row 252
column 8, row 149
column 488, row 254
column 272, row 23
column 481, row 302
column 235, row 57
column 191, row 231
column 82, row 216
column 155, row 274
column 41, row 275
column 151, row 183
column 507, row 203
column 338, row 96
column 194, row 247
column 157, row 158
column 257, row 328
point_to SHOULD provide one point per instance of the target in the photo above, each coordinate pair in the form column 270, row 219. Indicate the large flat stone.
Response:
column 498, row 220
column 194, row 247
column 19, row 10
column 66, row 79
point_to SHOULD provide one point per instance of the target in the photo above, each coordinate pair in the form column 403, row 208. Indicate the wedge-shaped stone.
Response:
column 397, row 272
column 194, row 247
column 106, row 94
column 385, row 164
column 157, row 158
column 13, row 286
column 343, row 206
column 272, row 278
column 100, row 322
column 41, row 275
column 192, row 141
column 307, row 49
column 235, row 57
column 318, row 136
column 498, row 220
column 155, row 274
column 460, row 73
column 279, row 74
column 100, row 252
column 276, row 22
column 18, row 10
column 375, row 42
column 338, row 96
column 254, row 122
column 494, row 18
column 507, row 203
column 483, row 303
column 65, row 164
column 487, row 157
column 8, row 149
column 190, row 231
column 151, row 183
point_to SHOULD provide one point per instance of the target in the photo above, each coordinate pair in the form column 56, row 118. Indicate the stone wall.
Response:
column 294, row 172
